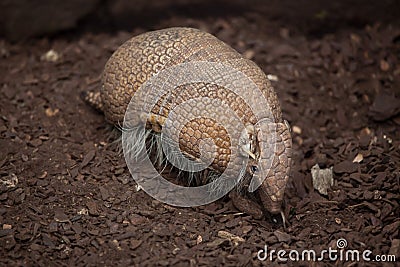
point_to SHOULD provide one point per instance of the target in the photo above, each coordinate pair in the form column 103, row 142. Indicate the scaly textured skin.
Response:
column 145, row 55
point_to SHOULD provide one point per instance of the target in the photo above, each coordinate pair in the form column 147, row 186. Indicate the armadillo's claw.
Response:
column 284, row 220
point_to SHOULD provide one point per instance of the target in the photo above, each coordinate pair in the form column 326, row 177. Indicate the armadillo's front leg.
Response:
column 245, row 205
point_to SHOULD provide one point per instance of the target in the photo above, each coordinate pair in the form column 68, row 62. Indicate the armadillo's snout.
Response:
column 272, row 189
column 270, row 203
column 271, row 192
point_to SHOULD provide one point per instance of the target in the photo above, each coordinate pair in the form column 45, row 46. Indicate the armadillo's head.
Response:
column 271, row 159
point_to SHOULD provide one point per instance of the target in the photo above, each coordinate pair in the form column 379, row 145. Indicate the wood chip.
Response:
column 345, row 167
column 88, row 158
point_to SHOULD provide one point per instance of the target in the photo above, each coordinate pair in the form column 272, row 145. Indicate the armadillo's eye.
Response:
column 254, row 168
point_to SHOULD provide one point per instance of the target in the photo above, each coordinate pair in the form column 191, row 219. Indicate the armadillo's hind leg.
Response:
column 93, row 99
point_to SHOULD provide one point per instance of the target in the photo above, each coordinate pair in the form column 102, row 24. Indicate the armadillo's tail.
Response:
column 93, row 99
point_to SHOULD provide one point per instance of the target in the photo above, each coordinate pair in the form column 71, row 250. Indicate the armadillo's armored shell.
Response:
column 143, row 56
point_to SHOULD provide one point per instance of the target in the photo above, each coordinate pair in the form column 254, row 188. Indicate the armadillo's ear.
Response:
column 246, row 140
column 266, row 135
column 245, row 151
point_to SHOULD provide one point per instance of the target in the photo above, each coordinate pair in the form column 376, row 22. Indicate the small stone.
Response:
column 199, row 239
column 272, row 77
column 384, row 65
column 51, row 112
column 358, row 158
column 296, row 129
column 119, row 171
column 7, row 226
column 44, row 174
column 24, row 157
column 322, row 179
column 10, row 181
column 83, row 211
column 50, row 56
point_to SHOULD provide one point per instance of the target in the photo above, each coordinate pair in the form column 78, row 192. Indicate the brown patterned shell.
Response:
column 144, row 55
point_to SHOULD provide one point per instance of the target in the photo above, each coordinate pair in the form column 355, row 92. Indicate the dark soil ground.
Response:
column 67, row 198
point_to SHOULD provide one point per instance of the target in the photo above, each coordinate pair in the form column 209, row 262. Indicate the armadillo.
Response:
column 144, row 56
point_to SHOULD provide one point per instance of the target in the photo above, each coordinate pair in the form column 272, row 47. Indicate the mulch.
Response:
column 67, row 198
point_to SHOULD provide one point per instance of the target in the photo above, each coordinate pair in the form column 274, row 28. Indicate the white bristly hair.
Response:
column 138, row 150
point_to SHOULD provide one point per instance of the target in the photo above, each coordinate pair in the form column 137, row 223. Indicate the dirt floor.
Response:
column 67, row 198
